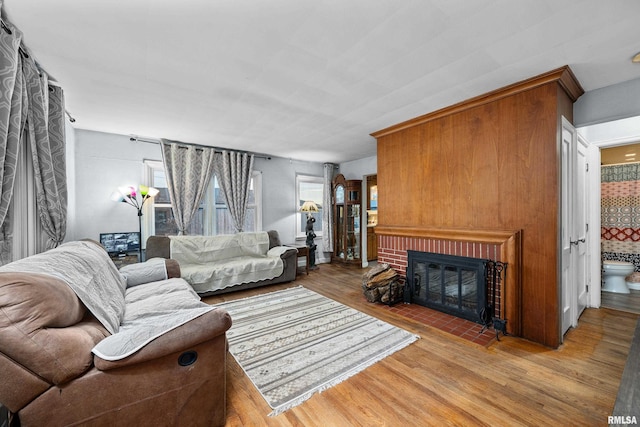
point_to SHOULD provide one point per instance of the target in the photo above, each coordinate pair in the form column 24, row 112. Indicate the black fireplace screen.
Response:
column 448, row 283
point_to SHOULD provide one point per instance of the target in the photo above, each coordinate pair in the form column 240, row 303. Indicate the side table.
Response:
column 303, row 251
column 122, row 260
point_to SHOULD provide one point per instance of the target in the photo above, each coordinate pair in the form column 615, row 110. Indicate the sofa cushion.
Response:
column 42, row 326
column 231, row 272
column 153, row 309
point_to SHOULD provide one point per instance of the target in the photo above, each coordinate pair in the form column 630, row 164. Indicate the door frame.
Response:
column 602, row 135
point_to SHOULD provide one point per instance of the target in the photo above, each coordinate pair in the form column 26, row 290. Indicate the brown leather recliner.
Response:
column 49, row 375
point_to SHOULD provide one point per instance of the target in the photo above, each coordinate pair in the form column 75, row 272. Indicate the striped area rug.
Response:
column 296, row 342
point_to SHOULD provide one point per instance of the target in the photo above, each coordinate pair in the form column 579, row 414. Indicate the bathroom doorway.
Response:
column 620, row 192
column 619, row 136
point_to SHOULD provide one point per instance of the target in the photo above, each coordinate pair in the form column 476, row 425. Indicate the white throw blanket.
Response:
column 210, row 263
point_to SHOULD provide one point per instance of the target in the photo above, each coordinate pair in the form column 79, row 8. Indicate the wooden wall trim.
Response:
column 563, row 76
column 457, row 234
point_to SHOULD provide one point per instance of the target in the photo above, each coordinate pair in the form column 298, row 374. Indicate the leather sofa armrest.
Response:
column 201, row 329
column 173, row 268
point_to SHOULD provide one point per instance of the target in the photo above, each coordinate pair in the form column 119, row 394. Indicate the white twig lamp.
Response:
column 128, row 195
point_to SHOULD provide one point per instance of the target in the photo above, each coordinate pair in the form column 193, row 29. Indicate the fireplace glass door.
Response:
column 451, row 284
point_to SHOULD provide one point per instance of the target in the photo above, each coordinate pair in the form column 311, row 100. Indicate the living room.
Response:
column 100, row 158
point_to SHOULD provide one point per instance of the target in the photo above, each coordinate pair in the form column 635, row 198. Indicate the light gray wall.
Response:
column 101, row 162
column 279, row 204
column 607, row 104
column 357, row 169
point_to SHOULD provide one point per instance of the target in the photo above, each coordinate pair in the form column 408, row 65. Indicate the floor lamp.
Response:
column 128, row 195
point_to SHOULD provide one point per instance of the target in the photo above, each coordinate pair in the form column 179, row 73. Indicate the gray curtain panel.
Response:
column 327, row 208
column 233, row 171
column 188, row 170
column 45, row 125
column 12, row 121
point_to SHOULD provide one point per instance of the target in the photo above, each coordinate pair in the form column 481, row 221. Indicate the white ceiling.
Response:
column 309, row 80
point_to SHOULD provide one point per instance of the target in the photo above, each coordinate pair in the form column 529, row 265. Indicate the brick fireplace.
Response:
column 496, row 245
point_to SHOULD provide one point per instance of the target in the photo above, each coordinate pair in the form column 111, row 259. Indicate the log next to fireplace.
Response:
column 452, row 284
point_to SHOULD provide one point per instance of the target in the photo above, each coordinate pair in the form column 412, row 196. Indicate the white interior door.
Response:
column 566, row 213
column 574, row 243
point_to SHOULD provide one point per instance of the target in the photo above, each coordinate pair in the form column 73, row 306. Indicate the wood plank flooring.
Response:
column 626, row 302
column 446, row 380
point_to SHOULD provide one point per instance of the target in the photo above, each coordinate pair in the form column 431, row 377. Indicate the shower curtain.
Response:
column 620, row 213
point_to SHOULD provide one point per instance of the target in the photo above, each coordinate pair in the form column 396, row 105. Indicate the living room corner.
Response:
column 345, row 213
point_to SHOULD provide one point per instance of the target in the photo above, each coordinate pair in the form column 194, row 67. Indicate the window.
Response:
column 308, row 188
column 164, row 223
column 212, row 216
column 253, row 217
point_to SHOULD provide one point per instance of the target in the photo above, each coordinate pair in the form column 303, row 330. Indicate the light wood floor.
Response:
column 626, row 302
column 445, row 380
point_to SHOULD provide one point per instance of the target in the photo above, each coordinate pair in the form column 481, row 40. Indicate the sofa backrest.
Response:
column 204, row 249
column 160, row 246
column 45, row 332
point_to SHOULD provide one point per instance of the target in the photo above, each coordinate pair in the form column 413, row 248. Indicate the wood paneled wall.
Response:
column 490, row 163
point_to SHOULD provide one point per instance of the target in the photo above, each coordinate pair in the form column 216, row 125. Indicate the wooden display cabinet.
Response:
column 347, row 217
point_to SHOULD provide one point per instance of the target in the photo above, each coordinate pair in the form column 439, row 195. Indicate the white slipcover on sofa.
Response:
column 217, row 264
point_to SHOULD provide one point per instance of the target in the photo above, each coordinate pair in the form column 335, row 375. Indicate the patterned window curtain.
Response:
column 620, row 219
column 12, row 121
column 45, row 125
column 327, row 211
column 233, row 171
column 188, row 172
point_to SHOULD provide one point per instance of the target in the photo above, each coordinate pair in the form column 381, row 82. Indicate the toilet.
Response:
column 614, row 273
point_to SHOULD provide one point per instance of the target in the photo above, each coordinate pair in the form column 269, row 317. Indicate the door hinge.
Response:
column 587, row 227
column 587, row 166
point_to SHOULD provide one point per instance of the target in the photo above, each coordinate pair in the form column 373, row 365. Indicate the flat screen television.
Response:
column 120, row 243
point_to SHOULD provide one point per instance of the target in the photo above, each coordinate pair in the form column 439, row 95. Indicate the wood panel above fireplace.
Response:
column 490, row 163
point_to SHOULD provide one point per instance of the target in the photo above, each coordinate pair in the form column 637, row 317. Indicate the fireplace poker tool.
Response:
column 488, row 313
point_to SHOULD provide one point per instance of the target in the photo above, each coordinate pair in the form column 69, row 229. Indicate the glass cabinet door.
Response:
column 353, row 232
column 340, row 237
column 339, row 194
column 347, row 245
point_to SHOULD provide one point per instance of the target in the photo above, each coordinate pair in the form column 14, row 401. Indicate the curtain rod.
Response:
column 24, row 53
column 156, row 141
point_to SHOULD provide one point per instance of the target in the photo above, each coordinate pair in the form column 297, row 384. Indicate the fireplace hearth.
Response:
column 449, row 283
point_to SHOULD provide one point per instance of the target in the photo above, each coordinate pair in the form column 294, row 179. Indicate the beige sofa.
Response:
column 225, row 263
column 78, row 346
